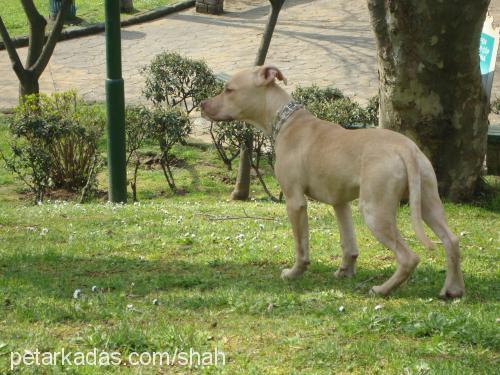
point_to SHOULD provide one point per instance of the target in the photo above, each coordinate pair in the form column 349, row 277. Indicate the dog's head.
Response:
column 244, row 96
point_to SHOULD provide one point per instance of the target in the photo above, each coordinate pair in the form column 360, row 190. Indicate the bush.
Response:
column 138, row 126
column 55, row 143
column 228, row 137
column 164, row 126
column 32, row 163
column 372, row 109
column 169, row 127
column 331, row 105
column 263, row 148
column 314, row 94
column 495, row 106
column 178, row 81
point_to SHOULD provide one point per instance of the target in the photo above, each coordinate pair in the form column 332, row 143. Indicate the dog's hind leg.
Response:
column 347, row 240
column 434, row 216
column 380, row 217
column 296, row 206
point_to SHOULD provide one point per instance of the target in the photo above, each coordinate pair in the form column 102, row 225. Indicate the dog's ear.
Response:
column 267, row 74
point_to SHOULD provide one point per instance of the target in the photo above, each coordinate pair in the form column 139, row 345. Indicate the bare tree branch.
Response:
column 31, row 12
column 48, row 49
column 11, row 50
column 37, row 31
column 246, row 216
column 268, row 32
column 277, row 3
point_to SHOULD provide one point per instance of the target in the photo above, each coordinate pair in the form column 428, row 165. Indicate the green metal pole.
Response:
column 115, row 105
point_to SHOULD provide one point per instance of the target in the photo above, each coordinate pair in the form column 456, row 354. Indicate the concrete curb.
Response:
column 149, row 15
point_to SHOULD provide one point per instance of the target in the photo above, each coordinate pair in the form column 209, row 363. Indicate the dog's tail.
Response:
column 415, row 190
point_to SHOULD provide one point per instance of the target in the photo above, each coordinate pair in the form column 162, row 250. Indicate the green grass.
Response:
column 88, row 12
column 218, row 283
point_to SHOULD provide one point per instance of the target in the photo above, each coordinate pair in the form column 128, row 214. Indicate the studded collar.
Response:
column 282, row 115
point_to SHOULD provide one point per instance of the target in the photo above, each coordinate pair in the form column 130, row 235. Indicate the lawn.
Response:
column 218, row 286
column 88, row 12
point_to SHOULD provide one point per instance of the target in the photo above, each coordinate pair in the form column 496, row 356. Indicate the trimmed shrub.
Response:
column 372, row 109
column 331, row 105
column 314, row 94
column 178, row 81
column 169, row 127
column 495, row 106
column 138, row 126
column 228, row 137
column 55, row 143
column 32, row 164
column 263, row 148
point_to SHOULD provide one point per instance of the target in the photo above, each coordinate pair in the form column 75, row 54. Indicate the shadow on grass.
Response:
column 59, row 275
column 40, row 288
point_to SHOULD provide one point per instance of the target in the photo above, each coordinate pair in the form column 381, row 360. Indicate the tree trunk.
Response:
column 37, row 26
column 40, row 49
column 28, row 84
column 430, row 84
column 242, row 189
column 126, row 6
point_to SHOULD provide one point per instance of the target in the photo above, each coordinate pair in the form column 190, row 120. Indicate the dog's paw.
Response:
column 451, row 292
column 289, row 274
column 344, row 272
column 377, row 290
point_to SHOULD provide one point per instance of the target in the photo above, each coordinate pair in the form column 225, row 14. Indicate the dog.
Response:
column 323, row 161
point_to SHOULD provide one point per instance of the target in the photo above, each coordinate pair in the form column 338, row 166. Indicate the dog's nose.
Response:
column 203, row 104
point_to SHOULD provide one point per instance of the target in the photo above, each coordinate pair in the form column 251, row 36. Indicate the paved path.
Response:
column 320, row 41
column 316, row 41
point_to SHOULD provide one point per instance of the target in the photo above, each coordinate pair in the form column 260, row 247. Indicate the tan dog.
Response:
column 333, row 165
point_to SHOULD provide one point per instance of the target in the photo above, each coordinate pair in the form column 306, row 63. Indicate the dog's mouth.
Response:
column 211, row 117
column 205, row 115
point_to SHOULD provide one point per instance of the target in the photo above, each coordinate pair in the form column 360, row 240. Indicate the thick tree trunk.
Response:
column 242, row 188
column 430, row 84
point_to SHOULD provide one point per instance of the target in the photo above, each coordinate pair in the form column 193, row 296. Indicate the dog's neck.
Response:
column 275, row 98
column 282, row 117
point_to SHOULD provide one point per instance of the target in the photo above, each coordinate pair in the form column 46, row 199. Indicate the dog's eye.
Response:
column 228, row 90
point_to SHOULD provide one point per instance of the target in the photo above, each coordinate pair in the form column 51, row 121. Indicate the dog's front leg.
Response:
column 347, row 240
column 297, row 214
